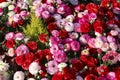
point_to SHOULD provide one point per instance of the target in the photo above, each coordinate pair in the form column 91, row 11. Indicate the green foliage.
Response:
column 35, row 28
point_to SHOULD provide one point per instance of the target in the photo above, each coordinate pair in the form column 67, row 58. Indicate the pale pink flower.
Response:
column 113, row 46
column 19, row 36
column 105, row 47
column 84, row 38
column 69, row 27
column 10, row 36
column 19, row 75
column 111, row 56
column 91, row 42
column 45, row 14
column 52, row 67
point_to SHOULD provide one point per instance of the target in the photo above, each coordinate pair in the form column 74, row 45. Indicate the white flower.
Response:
column 85, row 52
column 11, row 13
column 98, row 43
column 4, row 76
column 3, row 66
column 11, row 7
column 61, row 66
column 4, row 4
column 57, row 16
column 105, row 47
column 73, row 35
column 31, row 79
column 114, row 32
column 11, row 52
column 34, row 68
column 19, row 75
column 70, row 18
column 69, row 26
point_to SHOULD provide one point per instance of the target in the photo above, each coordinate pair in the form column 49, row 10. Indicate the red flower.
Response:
column 117, row 73
column 10, row 43
column 20, row 22
column 49, row 20
column 58, row 76
column 63, row 33
column 110, row 14
column 98, row 26
column 77, row 65
column 102, row 70
column 52, row 26
column 14, row 24
column 2, row 1
column 43, row 38
column 47, row 54
column 32, row 45
column 91, row 7
column 69, row 74
column 39, row 55
column 105, row 4
column 91, row 77
column 85, row 28
column 82, row 6
column 20, row 60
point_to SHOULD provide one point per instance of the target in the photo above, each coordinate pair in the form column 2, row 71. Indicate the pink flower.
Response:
column 45, row 14
column 1, row 11
column 91, row 42
column 111, row 56
column 113, row 46
column 54, row 48
column 69, row 27
column 44, row 79
column 55, row 33
column 110, row 39
column 84, row 38
column 92, row 16
column 24, row 14
column 111, row 76
column 16, row 17
column 22, row 49
column 38, row 11
column 10, row 36
column 51, row 9
column 19, row 36
column 52, row 67
column 75, row 45
column 19, row 75
column 59, row 56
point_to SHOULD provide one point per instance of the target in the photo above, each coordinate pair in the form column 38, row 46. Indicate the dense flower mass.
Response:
column 59, row 40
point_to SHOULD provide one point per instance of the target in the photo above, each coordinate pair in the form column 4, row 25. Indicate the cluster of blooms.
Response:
column 84, row 42
column 16, row 12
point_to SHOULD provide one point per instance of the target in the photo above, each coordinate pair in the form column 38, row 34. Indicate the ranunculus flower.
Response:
column 84, row 38
column 91, row 77
column 32, row 45
column 75, row 45
column 10, row 36
column 3, row 66
column 19, row 36
column 63, row 33
column 85, row 28
column 43, row 38
column 11, row 52
column 52, row 26
column 22, row 49
column 19, row 75
column 10, row 43
column 34, row 68
column 45, row 14
column 91, row 7
column 69, row 27
column 59, row 56
column 1, row 11
column 52, row 67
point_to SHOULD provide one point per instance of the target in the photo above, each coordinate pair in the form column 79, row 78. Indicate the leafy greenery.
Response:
column 35, row 28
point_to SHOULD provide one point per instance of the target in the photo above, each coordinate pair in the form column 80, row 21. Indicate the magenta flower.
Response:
column 10, row 36
column 54, row 48
column 22, row 49
column 75, row 45
column 111, row 56
column 52, row 67
column 59, row 56
column 1, row 11
column 55, row 33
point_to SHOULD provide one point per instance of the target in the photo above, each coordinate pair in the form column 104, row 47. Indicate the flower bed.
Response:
column 59, row 40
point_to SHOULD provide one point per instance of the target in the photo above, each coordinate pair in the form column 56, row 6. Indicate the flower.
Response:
column 111, row 56
column 45, row 14
column 19, row 75
column 3, row 66
column 59, row 56
column 22, row 49
column 52, row 67
column 75, row 45
column 63, row 33
column 10, row 43
column 69, row 27
column 32, row 45
column 61, row 66
column 10, row 36
column 44, row 79
column 4, row 76
column 84, row 38
column 43, row 38
column 34, row 68
column 19, row 36
column 102, row 70
column 85, row 28
column 73, row 2
column 91, row 77
column 11, row 52
column 31, row 79
column 1, row 11
column 58, row 76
